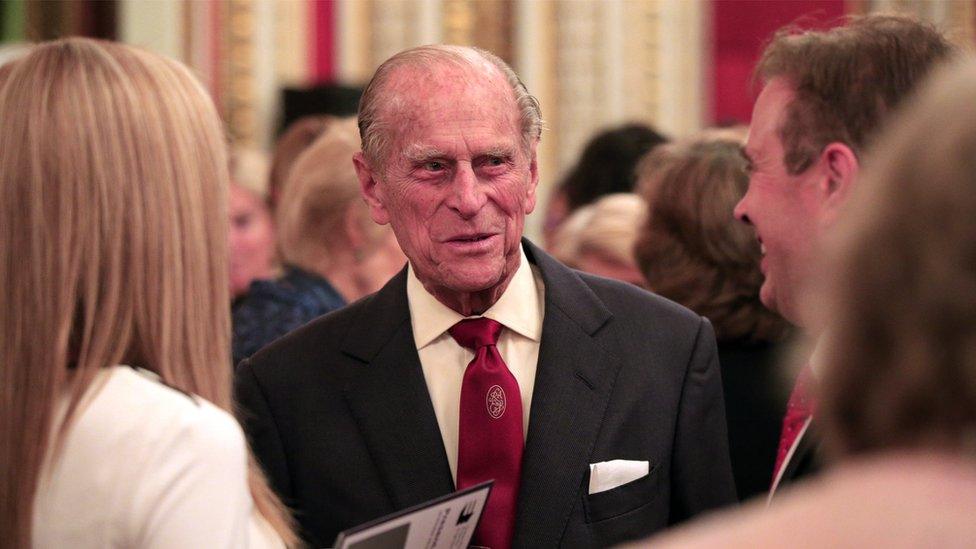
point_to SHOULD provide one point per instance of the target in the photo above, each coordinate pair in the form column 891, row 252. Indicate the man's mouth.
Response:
column 470, row 238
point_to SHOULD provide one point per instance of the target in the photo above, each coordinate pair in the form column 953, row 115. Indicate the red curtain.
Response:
column 323, row 38
column 740, row 30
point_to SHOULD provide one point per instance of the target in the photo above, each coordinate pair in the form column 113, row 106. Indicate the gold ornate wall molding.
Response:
column 956, row 17
column 621, row 61
column 682, row 56
column 401, row 24
column 581, row 75
column 354, row 30
column 238, row 76
column 486, row 24
column 292, row 39
column 265, row 77
column 535, row 43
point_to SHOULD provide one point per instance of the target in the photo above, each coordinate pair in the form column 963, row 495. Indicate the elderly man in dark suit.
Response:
column 595, row 406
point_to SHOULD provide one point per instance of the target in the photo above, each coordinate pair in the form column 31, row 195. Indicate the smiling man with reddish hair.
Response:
column 594, row 406
column 825, row 94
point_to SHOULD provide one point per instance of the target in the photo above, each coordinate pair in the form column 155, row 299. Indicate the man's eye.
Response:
column 433, row 166
column 494, row 161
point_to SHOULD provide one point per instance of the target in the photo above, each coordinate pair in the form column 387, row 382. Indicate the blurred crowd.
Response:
column 831, row 245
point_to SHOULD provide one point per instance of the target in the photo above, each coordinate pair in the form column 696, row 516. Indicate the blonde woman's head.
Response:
column 323, row 224
column 599, row 238
column 112, row 243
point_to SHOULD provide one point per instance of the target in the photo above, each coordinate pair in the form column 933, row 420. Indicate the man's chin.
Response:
column 475, row 285
column 782, row 307
column 767, row 298
column 473, row 280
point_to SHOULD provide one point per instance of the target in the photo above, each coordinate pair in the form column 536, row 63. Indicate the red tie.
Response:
column 798, row 409
column 490, row 430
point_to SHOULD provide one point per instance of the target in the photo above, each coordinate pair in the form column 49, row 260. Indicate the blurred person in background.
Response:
column 606, row 166
column 825, row 94
column 251, row 243
column 252, row 226
column 599, row 238
column 293, row 141
column 898, row 397
column 333, row 253
column 692, row 251
column 114, row 374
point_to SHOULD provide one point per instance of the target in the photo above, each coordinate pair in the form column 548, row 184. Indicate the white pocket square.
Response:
column 607, row 475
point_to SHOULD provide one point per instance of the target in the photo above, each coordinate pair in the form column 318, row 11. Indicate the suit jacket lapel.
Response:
column 388, row 398
column 574, row 377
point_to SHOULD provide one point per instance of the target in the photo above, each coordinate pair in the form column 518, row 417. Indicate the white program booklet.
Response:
column 446, row 522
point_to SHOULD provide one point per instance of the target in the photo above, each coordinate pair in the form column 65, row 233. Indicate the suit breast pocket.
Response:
column 623, row 499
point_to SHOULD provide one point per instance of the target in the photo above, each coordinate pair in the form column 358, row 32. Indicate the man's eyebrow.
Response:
column 499, row 151
column 422, row 153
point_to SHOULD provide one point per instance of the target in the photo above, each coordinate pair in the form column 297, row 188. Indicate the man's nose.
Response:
column 466, row 193
column 740, row 210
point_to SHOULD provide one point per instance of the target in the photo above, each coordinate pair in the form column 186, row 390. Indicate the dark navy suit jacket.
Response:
column 339, row 416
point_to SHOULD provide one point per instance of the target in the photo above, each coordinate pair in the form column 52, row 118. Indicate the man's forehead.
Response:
column 773, row 99
column 770, row 108
column 440, row 90
column 433, row 103
column 468, row 67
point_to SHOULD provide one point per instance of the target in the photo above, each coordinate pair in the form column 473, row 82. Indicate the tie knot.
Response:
column 475, row 333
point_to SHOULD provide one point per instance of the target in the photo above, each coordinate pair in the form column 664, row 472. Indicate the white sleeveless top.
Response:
column 144, row 465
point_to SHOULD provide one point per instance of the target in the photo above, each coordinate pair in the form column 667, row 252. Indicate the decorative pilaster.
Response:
column 293, row 42
column 354, row 30
column 534, row 59
column 238, row 77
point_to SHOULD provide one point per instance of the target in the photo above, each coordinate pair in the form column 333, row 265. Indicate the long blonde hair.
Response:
column 112, row 247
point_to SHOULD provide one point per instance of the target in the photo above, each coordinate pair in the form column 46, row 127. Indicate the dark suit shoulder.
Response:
column 315, row 345
column 633, row 303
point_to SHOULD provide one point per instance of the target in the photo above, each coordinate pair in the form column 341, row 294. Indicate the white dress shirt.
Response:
column 520, row 309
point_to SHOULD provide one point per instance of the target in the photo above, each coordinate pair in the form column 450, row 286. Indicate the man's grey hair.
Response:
column 375, row 133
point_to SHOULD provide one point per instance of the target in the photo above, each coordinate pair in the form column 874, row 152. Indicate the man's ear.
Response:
column 840, row 167
column 530, row 197
column 370, row 189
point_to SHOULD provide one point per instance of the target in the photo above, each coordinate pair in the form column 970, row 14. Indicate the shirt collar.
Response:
column 817, row 355
column 517, row 309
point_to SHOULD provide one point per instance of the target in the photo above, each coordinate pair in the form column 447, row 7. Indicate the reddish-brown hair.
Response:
column 847, row 79
column 691, row 250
